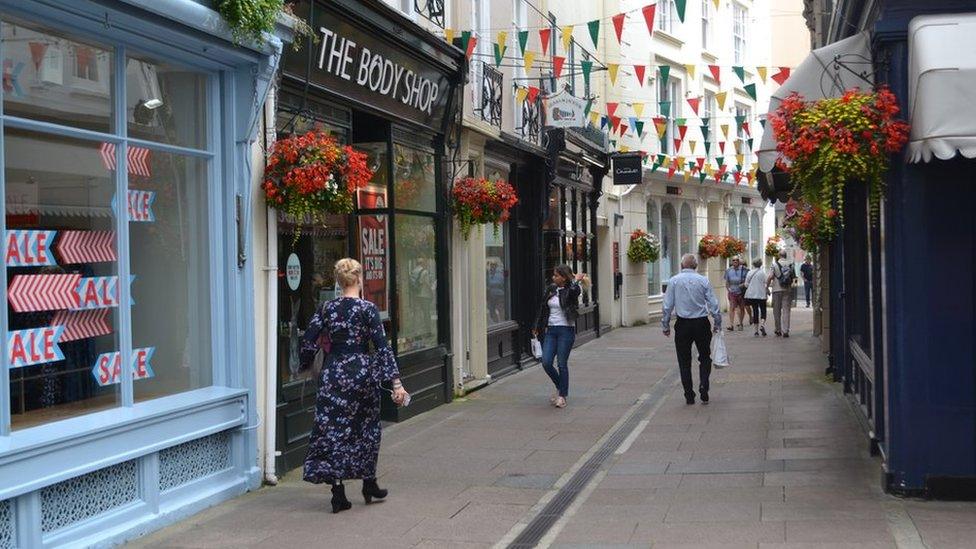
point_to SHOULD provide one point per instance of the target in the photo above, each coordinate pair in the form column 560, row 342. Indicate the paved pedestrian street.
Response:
column 777, row 459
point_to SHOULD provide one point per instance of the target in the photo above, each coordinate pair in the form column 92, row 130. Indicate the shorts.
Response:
column 736, row 300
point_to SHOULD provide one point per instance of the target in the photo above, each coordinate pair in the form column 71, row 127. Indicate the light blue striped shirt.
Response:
column 690, row 295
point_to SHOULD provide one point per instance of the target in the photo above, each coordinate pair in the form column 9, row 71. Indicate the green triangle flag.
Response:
column 594, row 27
column 681, row 121
column 523, row 40
column 639, row 126
column 680, row 4
column 738, row 167
column 750, row 141
column 708, row 148
column 740, row 71
column 465, row 38
column 613, row 143
column 589, row 105
column 763, row 122
column 665, row 108
column 720, row 160
column 587, row 66
column 702, row 176
column 665, row 73
column 751, row 90
column 654, row 167
column 660, row 159
column 739, row 120
column 705, row 130
column 498, row 54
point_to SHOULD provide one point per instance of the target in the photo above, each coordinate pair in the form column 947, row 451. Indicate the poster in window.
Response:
column 373, row 249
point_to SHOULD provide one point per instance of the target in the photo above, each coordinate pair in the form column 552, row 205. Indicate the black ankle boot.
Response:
column 339, row 501
column 372, row 490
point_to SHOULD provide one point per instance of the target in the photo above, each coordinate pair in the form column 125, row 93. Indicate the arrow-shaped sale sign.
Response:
column 49, row 292
column 82, row 324
column 99, row 292
column 27, row 248
column 86, row 247
column 34, row 346
column 108, row 366
column 139, row 205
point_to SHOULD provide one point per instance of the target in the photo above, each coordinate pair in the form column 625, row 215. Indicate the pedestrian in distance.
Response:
column 735, row 277
column 756, row 291
column 782, row 276
column 556, row 324
column 345, row 438
column 807, row 271
column 691, row 299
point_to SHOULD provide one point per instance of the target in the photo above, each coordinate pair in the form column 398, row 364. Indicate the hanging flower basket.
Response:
column 730, row 246
column 774, row 245
column 809, row 225
column 311, row 176
column 828, row 143
column 477, row 201
column 708, row 246
column 644, row 247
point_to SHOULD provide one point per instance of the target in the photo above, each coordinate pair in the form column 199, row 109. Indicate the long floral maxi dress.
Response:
column 345, row 440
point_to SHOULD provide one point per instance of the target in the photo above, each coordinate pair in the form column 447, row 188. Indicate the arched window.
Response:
column 756, row 236
column 733, row 224
column 744, row 232
column 687, row 228
column 669, row 243
column 654, row 269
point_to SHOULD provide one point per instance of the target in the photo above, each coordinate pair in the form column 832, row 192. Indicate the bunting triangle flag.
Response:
column 738, row 177
column 604, row 121
column 665, row 71
column 499, row 53
column 739, row 120
column 472, row 42
column 738, row 146
column 544, row 36
column 664, row 108
column 718, row 3
column 751, row 90
column 661, row 125
column 782, row 75
column 615, row 122
column 690, row 69
column 533, row 93
column 721, row 97
column 520, row 95
column 639, row 73
column 660, row 160
column 567, row 36
column 687, row 175
column 682, row 131
column 557, row 65
column 701, row 176
column 740, row 159
column 622, row 129
column 740, row 71
column 587, row 67
column 762, row 73
column 680, row 162
column 721, row 146
column 749, row 142
column 671, row 171
column 589, row 106
column 465, row 40
column 720, row 161
column 762, row 122
column 612, row 68
column 681, row 5
column 654, row 167
column 612, row 108
column 649, row 11
column 529, row 59
column 745, row 128
column 624, row 148
column 701, row 162
column 694, row 102
column 594, row 27
column 725, row 130
column 638, row 109
column 677, row 144
column 705, row 128
column 523, row 40
column 716, row 73
column 681, row 121
column 502, row 38
column 667, row 160
column 618, row 25
column 639, row 127
column 449, row 35
column 632, row 120
column 594, row 117
column 708, row 148
column 692, row 144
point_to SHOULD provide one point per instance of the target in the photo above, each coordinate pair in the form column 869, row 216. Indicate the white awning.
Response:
column 827, row 72
column 941, row 95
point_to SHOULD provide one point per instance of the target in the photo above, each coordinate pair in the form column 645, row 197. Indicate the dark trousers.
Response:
column 807, row 288
column 758, row 309
column 556, row 345
column 699, row 332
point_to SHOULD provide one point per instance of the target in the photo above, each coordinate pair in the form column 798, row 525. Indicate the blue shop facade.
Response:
column 127, row 399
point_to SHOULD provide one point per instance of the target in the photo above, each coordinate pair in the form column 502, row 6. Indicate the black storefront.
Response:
column 384, row 85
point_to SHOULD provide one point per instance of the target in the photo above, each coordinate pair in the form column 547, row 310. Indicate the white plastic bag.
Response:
column 536, row 348
column 720, row 355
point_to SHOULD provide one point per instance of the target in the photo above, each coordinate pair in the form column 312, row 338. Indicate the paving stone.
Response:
column 837, row 510
column 843, row 531
column 716, row 480
column 713, row 511
column 709, row 533
column 518, row 480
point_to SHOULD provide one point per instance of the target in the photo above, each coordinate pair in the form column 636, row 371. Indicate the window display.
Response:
column 415, row 180
column 416, row 286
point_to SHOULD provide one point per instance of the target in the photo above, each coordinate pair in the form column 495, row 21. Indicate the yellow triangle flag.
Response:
column 718, row 3
column 667, row 162
column 721, row 97
column 691, row 71
column 740, row 159
column 624, row 148
column 449, row 35
column 687, row 175
column 762, row 73
column 521, row 94
column 612, row 69
column 680, row 163
column 725, row 130
column 692, row 143
column 529, row 59
column 709, row 170
column 567, row 37
column 594, row 117
column 638, row 109
column 662, row 129
column 502, row 43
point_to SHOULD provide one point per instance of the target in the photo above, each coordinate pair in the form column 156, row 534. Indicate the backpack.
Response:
column 786, row 275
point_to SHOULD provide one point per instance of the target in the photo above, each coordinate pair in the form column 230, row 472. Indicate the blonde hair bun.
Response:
column 348, row 272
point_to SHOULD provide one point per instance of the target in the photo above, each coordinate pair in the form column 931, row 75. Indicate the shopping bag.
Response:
column 536, row 348
column 720, row 355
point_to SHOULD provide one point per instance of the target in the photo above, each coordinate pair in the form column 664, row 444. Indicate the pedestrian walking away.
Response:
column 345, row 438
column 807, row 271
column 782, row 276
column 735, row 277
column 691, row 299
column 756, row 292
column 556, row 323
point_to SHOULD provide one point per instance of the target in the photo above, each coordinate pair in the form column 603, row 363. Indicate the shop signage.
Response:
column 136, row 159
column 82, row 324
column 30, row 248
column 140, row 206
column 373, row 249
column 365, row 67
column 98, row 292
column 34, row 346
column 627, row 169
column 293, row 272
column 47, row 292
column 86, row 246
column 108, row 366
column 563, row 110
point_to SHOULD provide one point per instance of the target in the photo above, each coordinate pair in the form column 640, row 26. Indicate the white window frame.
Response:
column 706, row 28
column 665, row 16
column 740, row 23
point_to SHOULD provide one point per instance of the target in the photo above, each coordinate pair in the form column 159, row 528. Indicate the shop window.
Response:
column 35, row 85
column 415, row 181
column 744, row 232
column 687, row 228
column 654, row 269
column 733, row 223
column 416, row 267
column 669, row 245
column 555, row 210
column 498, row 275
column 756, row 236
column 166, row 103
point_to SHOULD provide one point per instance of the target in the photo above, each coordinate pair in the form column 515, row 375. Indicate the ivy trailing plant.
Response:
column 250, row 19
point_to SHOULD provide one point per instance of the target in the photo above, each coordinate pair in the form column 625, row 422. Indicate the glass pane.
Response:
column 756, row 236
column 653, row 269
column 374, row 194
column 569, row 210
column 669, row 245
column 50, row 77
column 166, row 103
column 61, row 235
column 687, row 231
column 555, row 214
column 497, row 277
column 416, row 283
column 169, row 247
column 415, row 180
column 553, row 257
column 374, row 251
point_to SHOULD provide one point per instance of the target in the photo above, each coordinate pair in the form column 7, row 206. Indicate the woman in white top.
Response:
column 756, row 286
column 556, row 321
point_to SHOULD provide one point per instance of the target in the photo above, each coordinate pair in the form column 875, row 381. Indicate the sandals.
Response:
column 560, row 402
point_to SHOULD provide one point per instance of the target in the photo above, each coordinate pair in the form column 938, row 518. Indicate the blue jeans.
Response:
column 557, row 344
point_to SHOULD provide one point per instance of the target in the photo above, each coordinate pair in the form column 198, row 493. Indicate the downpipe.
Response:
column 271, row 350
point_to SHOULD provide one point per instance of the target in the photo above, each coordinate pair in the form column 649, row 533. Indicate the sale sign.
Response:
column 34, row 346
column 30, row 248
column 47, row 292
column 83, row 324
column 139, row 206
column 99, row 292
column 108, row 366
column 86, row 246
column 373, row 249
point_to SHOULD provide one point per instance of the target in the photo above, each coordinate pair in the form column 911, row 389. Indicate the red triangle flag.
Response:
column 745, row 128
column 694, row 102
column 721, row 145
column 618, row 24
column 716, row 73
column 649, row 16
column 671, row 170
column 677, row 145
column 611, row 108
column 623, row 129
column 557, row 65
column 738, row 177
column 471, row 43
column 701, row 162
column 782, row 75
column 544, row 35
column 639, row 72
column 533, row 93
column 682, row 130
column 615, row 122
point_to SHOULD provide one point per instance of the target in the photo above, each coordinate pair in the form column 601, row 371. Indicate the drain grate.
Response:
column 553, row 511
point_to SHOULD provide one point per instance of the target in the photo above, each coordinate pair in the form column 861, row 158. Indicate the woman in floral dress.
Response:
column 345, row 440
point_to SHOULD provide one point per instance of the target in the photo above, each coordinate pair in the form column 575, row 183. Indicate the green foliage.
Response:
column 249, row 19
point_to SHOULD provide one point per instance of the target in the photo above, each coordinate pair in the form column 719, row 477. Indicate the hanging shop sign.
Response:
column 108, row 366
column 627, row 169
column 29, row 248
column 563, row 110
column 34, row 346
column 374, row 249
column 293, row 272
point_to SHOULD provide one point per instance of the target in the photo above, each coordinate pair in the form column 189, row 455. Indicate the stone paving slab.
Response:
column 777, row 460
